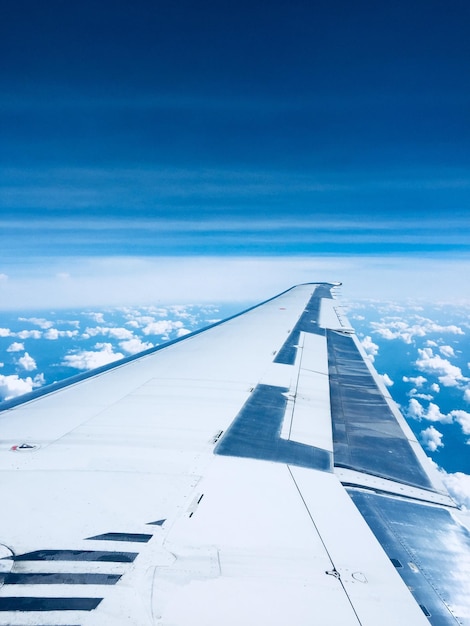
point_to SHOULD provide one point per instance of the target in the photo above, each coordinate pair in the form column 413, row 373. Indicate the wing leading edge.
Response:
column 257, row 472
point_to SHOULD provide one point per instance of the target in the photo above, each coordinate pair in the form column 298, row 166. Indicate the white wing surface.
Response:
column 255, row 473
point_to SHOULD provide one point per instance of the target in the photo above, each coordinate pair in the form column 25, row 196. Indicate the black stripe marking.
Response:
column 159, row 522
column 76, row 555
column 49, row 604
column 61, row 578
column 136, row 537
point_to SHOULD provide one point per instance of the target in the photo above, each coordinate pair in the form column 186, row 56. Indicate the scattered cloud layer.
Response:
column 433, row 413
column 397, row 328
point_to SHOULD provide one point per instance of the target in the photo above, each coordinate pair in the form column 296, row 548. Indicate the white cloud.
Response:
column 97, row 317
column 115, row 333
column 90, row 359
column 447, row 350
column 27, row 362
column 162, row 327
column 448, row 375
column 29, row 334
column 5, row 332
column 432, row 413
column 53, row 333
column 120, row 333
column 458, row 485
column 462, row 418
column 16, row 346
column 392, row 328
column 135, row 345
column 181, row 332
column 421, row 396
column 431, row 439
column 417, row 380
column 370, row 347
column 466, row 395
column 133, row 324
column 13, row 386
column 415, row 409
column 136, row 320
column 435, row 387
column 39, row 321
column 387, row 380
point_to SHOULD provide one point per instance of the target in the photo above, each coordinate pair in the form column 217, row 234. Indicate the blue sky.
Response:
column 153, row 149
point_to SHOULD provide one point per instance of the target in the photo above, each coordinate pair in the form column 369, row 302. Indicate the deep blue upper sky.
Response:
column 280, row 128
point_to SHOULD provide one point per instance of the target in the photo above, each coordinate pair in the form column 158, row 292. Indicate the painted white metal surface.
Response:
column 312, row 395
column 233, row 540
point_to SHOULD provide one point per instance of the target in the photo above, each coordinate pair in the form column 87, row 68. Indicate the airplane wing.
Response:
column 257, row 473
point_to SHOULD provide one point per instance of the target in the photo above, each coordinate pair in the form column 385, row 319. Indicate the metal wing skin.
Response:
column 254, row 473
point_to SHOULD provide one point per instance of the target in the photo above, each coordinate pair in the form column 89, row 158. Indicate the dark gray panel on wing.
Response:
column 308, row 323
column 256, row 433
column 366, row 434
column 430, row 550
